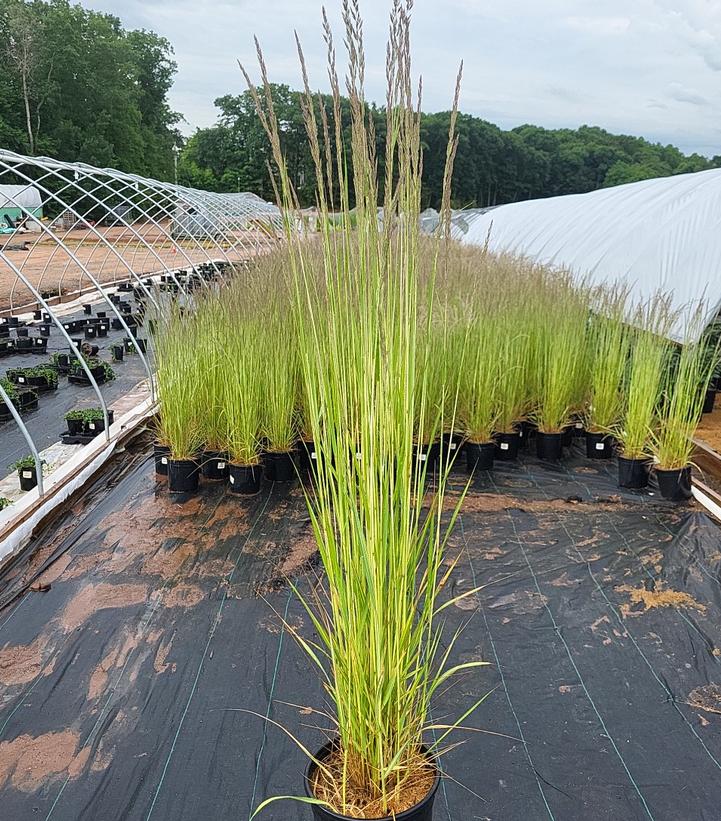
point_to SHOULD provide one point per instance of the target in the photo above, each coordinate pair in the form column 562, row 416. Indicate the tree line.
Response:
column 492, row 166
column 79, row 87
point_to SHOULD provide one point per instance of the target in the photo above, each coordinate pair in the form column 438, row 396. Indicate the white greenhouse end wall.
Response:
column 660, row 234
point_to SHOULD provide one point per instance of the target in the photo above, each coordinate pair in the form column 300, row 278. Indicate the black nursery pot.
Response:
column 279, row 467
column 632, row 473
column 87, row 310
column 549, row 446
column 675, row 485
column 567, row 436
column 28, row 478
column 101, row 330
column 214, row 465
column 44, row 329
column 183, row 475
column 422, row 811
column 117, row 351
column 598, row 445
column 709, row 400
column 426, row 455
column 94, row 427
column 245, row 479
column 307, row 455
column 507, row 446
column 75, row 426
column 480, row 457
column 525, row 431
column 161, row 455
column 37, row 314
column 22, row 332
column 91, row 332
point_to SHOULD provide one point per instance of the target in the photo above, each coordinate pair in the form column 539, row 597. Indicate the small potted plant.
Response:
column 278, row 415
column 678, row 417
column 93, row 421
column 26, row 471
column 76, row 422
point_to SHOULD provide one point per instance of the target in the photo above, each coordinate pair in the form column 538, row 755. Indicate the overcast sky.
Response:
column 645, row 67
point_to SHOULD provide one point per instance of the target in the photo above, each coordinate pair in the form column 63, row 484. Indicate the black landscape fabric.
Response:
column 137, row 686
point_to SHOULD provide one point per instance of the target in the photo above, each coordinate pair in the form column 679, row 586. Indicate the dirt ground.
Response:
column 145, row 250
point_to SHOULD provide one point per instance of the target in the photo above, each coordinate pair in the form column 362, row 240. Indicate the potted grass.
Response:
column 511, row 384
column 678, row 416
column 559, row 330
column 648, row 361
column 180, row 403
column 27, row 473
column 609, row 345
column 377, row 629
column 279, row 400
column 212, row 383
column 243, row 403
column 478, row 399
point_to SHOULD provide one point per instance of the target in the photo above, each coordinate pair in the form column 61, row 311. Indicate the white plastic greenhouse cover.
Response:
column 660, row 234
column 19, row 195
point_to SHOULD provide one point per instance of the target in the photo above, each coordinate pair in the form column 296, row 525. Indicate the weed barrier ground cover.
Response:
column 124, row 685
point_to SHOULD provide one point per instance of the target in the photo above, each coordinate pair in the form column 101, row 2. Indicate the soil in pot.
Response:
column 214, row 465
column 279, row 467
column 421, row 808
column 549, row 446
column 183, row 475
column 507, row 446
column 632, row 473
column 161, row 455
column 709, row 400
column 28, row 478
column 480, row 456
column 244, row 479
column 675, row 485
column 598, row 445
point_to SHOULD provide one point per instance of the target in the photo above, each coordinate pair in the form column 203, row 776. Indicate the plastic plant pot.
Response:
column 75, row 426
column 425, row 455
column 525, row 431
column 675, row 485
column 87, row 310
column 22, row 333
column 279, row 467
column 183, row 475
column 579, row 430
column 101, row 330
column 633, row 473
column 40, row 343
column 117, row 352
column 549, row 446
column 422, row 811
column 142, row 345
column 451, row 446
column 567, row 436
column 709, row 400
column 214, row 465
column 13, row 321
column 480, row 456
column 28, row 400
column 44, row 330
column 507, row 446
column 37, row 314
column 4, row 331
column 598, row 445
column 244, row 479
column 91, row 332
column 161, row 456
column 306, row 455
column 94, row 426
column 28, row 478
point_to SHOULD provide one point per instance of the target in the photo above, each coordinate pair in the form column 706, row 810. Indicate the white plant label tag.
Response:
column 452, row 446
column 163, row 460
column 21, row 379
column 27, row 474
column 232, row 480
column 221, row 465
column 504, row 445
column 600, row 446
column 579, row 425
column 422, row 457
column 314, row 455
column 91, row 425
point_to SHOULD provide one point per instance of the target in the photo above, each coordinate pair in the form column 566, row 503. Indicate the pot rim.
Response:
column 406, row 815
